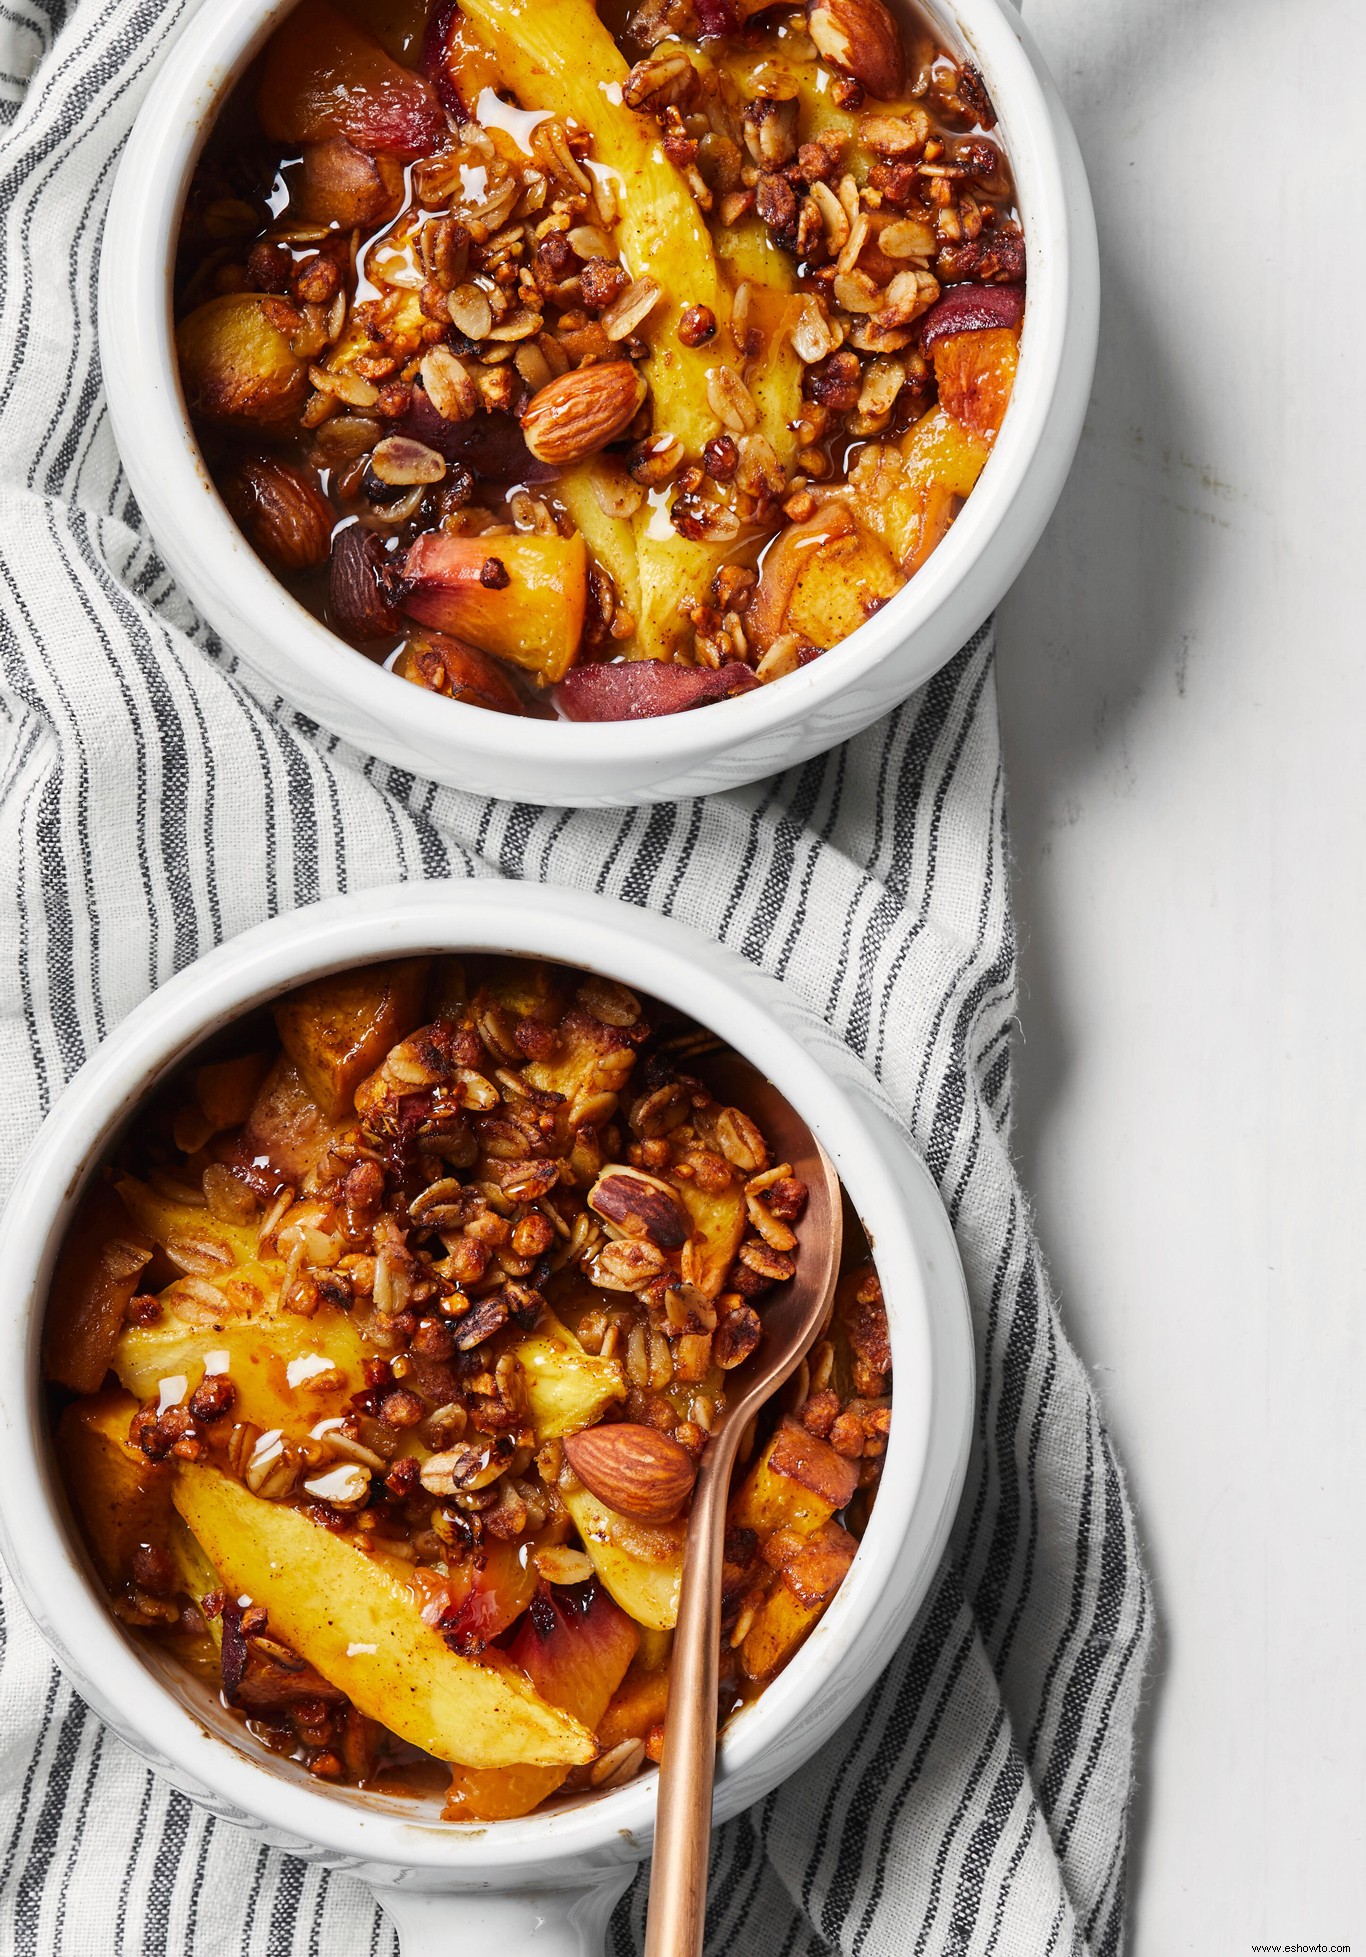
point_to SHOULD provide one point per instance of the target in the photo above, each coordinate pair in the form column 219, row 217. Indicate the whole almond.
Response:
column 283, row 511
column 581, row 412
column 861, row 38
column 635, row 1470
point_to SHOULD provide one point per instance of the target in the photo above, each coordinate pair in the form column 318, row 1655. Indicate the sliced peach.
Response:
column 236, row 366
column 575, row 1649
column 520, row 597
column 449, row 666
column 975, row 373
column 456, row 60
column 324, row 76
column 822, row 579
column 336, row 183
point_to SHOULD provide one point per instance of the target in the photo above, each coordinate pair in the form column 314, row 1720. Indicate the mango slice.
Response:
column 358, row 1624
column 557, row 55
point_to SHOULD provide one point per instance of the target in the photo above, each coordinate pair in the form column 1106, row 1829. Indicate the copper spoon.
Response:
column 792, row 1317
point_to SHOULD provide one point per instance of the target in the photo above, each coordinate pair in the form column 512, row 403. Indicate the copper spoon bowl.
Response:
column 792, row 1319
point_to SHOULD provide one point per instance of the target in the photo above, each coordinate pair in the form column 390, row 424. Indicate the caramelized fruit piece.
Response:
column 281, row 507
column 575, row 1648
column 456, row 61
column 642, row 1567
column 490, row 444
column 446, row 665
column 358, row 1623
column 235, row 366
column 567, row 1389
column 286, row 1126
column 357, row 586
column 323, row 76
column 822, row 579
column 645, row 688
column 336, row 183
column 790, row 1498
column 521, row 597
column 121, row 1498
column 287, row 1371
column 337, row 1029
column 102, row 1260
column 976, row 372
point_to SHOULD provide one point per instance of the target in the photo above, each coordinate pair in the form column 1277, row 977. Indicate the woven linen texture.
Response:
column 150, row 807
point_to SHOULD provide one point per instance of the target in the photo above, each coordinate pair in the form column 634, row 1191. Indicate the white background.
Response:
column 1183, row 680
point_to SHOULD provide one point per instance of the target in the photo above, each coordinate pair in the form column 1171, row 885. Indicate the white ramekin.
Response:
column 288, row 652
column 548, row 1883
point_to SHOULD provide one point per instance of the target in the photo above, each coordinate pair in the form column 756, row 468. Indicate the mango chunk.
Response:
column 337, row 1029
column 717, row 1223
column 566, row 1387
column 288, row 1372
column 358, row 1624
column 121, row 1498
column 797, row 1482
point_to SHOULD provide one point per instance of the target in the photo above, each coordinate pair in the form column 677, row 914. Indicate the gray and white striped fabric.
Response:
column 150, row 807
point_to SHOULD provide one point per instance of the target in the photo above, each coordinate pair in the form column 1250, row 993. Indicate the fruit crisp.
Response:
column 383, row 1351
column 600, row 367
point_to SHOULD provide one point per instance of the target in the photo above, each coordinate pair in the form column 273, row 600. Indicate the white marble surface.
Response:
column 1183, row 679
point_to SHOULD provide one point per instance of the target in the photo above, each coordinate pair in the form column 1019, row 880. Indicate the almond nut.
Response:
column 582, row 411
column 861, row 38
column 640, row 1206
column 283, row 511
column 635, row 1470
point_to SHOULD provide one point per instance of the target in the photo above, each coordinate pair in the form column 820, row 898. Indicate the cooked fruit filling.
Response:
column 383, row 1352
column 605, row 367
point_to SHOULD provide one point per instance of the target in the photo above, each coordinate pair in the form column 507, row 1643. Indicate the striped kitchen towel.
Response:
column 150, row 807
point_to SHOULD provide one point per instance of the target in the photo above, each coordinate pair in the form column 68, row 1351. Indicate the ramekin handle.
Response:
column 517, row 1923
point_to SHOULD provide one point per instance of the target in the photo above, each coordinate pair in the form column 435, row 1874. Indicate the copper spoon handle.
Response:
column 678, row 1873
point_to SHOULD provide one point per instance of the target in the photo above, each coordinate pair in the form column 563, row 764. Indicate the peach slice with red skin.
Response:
column 643, row 689
column 323, row 76
column 236, row 366
column 521, row 598
column 971, row 309
column 576, row 1649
